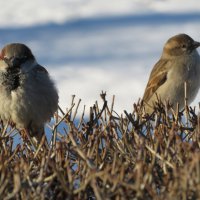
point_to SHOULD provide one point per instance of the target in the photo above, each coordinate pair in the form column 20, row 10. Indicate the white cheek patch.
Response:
column 3, row 66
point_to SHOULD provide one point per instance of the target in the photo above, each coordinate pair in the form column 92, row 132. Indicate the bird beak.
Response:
column 196, row 44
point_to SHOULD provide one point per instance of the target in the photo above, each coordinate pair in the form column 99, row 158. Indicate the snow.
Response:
column 92, row 45
column 28, row 13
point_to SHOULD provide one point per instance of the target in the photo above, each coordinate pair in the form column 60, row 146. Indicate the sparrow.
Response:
column 179, row 64
column 28, row 96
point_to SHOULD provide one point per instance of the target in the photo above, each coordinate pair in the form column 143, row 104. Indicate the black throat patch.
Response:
column 11, row 79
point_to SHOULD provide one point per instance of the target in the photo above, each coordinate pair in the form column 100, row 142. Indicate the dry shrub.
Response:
column 107, row 156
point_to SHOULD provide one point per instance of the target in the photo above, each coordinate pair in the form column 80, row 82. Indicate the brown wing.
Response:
column 157, row 77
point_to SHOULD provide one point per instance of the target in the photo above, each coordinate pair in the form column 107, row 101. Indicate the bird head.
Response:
column 179, row 45
column 14, row 56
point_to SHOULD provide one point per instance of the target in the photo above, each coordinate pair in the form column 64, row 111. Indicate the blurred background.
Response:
column 94, row 45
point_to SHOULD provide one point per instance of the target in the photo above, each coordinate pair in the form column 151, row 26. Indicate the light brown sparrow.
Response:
column 28, row 97
column 179, row 63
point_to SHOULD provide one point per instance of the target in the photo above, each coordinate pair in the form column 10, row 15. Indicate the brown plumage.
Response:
column 179, row 63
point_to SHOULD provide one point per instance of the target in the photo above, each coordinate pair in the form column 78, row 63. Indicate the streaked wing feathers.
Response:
column 157, row 77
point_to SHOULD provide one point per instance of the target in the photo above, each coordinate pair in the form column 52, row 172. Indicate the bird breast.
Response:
column 27, row 97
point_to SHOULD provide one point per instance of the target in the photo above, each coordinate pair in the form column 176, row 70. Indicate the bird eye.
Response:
column 183, row 46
